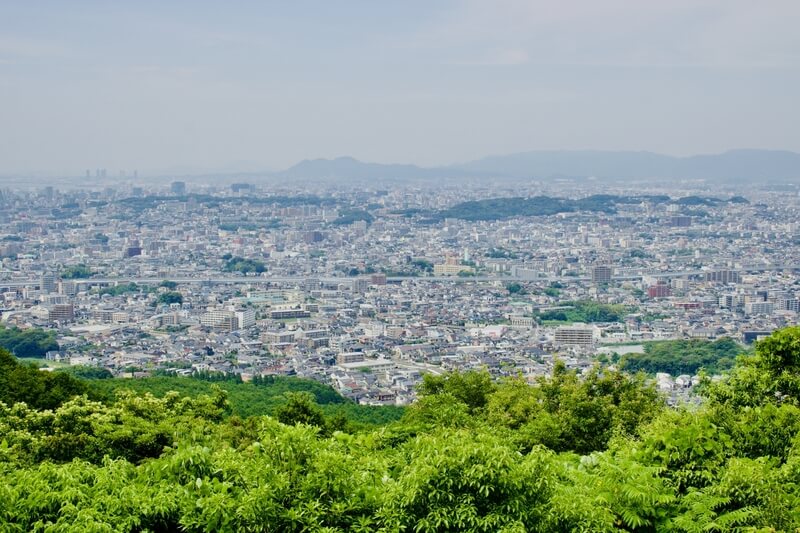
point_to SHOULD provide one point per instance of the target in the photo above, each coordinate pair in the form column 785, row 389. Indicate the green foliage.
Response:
column 552, row 292
column 37, row 388
column 264, row 396
column 423, row 265
column 770, row 375
column 466, row 481
column 585, row 311
column 779, row 356
column 515, row 288
column 171, row 285
column 563, row 412
column 80, row 271
column 684, row 356
column 300, row 408
column 471, row 455
column 470, row 388
column 348, row 216
column 87, row 372
column 500, row 253
column 245, row 266
column 124, row 288
column 168, row 298
column 31, row 342
column 501, row 208
column 568, row 413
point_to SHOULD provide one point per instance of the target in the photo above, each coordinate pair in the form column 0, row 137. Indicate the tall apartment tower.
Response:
column 602, row 274
column 48, row 283
column 724, row 276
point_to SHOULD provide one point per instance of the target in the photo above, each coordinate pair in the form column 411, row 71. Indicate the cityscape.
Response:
column 479, row 266
column 368, row 289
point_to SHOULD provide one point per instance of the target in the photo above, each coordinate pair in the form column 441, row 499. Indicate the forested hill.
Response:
column 598, row 452
column 502, row 208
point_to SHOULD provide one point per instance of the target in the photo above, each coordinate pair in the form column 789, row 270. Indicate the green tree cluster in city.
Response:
column 31, row 342
column 685, row 356
column 80, row 271
column 240, row 264
column 170, row 297
column 585, row 311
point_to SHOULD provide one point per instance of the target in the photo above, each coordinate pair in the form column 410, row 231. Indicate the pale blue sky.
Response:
column 155, row 85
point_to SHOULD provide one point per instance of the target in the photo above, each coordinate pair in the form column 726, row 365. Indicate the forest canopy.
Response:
column 598, row 451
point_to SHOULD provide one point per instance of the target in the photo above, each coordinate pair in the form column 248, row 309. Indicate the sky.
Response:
column 199, row 86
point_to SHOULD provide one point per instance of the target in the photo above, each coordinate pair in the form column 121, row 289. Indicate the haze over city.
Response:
column 195, row 87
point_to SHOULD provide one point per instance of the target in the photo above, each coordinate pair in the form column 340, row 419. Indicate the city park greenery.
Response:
column 170, row 297
column 31, row 342
column 596, row 452
column 684, row 356
column 80, row 271
column 584, row 311
column 124, row 288
column 240, row 264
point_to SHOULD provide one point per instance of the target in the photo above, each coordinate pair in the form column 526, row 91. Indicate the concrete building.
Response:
column 61, row 313
column 602, row 274
column 579, row 335
column 48, row 283
column 723, row 276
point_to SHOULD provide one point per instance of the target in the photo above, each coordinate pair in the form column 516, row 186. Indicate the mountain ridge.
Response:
column 733, row 165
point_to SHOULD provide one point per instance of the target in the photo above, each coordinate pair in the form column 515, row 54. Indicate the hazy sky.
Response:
column 155, row 85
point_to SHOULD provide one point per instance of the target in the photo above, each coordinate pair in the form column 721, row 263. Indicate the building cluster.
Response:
column 369, row 289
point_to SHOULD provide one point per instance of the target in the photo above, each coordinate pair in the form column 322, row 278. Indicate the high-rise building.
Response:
column 361, row 285
column 61, row 313
column 602, row 274
column 723, row 276
column 48, row 283
column 313, row 236
column 69, row 288
column 680, row 221
column 178, row 187
column 759, row 308
column 659, row 290
column 245, row 318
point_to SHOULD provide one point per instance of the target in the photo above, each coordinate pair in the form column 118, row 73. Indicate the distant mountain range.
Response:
column 734, row 165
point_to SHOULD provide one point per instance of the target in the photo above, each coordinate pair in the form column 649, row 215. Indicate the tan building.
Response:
column 575, row 335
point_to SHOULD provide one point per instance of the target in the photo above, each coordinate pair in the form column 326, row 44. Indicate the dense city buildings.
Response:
column 367, row 288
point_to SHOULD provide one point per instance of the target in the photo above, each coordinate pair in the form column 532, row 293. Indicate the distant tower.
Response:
column 178, row 187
